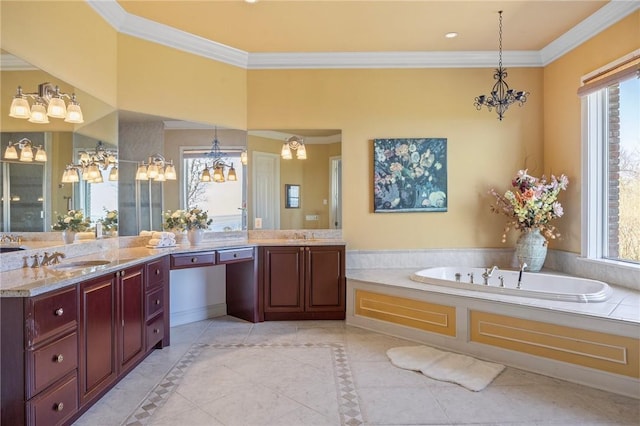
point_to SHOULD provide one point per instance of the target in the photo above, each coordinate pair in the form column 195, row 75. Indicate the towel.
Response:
column 162, row 235
column 165, row 241
column 85, row 236
column 145, row 233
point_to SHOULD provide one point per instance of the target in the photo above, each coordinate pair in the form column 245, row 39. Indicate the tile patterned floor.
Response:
column 229, row 372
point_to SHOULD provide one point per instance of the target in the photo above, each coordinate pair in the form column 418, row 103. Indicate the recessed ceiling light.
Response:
column 451, row 35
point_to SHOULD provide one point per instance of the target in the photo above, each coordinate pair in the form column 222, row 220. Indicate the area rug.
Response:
column 463, row 370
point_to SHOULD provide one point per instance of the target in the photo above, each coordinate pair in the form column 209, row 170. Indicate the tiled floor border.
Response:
column 350, row 414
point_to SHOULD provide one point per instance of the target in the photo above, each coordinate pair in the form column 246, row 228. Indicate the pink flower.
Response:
column 557, row 209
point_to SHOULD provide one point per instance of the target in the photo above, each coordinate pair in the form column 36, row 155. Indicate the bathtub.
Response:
column 537, row 285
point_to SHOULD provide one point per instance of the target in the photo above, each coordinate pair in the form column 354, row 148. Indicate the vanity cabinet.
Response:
column 303, row 282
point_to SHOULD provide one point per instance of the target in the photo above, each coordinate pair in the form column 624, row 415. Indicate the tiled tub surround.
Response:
column 560, row 339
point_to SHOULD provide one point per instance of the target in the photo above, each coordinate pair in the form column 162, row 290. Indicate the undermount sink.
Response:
column 80, row 264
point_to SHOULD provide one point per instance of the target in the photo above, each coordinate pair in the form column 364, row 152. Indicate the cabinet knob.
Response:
column 59, row 312
column 58, row 358
column 59, row 406
column 301, row 248
column 235, row 254
column 157, row 301
column 157, row 271
column 194, row 259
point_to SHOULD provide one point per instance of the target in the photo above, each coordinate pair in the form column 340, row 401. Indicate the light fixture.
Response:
column 157, row 168
column 26, row 151
column 47, row 102
column 90, row 165
column 294, row 143
column 244, row 157
column 215, row 172
column 501, row 96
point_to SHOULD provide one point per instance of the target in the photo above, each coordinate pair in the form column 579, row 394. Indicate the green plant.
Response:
column 110, row 221
column 73, row 220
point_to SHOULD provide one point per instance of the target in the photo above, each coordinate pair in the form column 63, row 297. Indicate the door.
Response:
column 131, row 295
column 325, row 281
column 97, row 336
column 266, row 191
column 283, row 279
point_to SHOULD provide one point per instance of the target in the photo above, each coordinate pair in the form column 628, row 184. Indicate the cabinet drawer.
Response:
column 154, row 303
column 51, row 362
column 157, row 272
column 51, row 314
column 193, row 260
column 234, row 255
column 55, row 406
column 155, row 332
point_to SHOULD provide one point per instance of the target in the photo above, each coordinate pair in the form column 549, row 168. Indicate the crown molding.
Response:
column 155, row 32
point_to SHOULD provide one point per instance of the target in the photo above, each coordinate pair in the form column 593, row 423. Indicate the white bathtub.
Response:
column 537, row 285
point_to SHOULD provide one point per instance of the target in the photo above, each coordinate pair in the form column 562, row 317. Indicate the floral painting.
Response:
column 410, row 175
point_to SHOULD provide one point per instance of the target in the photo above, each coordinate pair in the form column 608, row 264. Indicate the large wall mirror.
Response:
column 33, row 192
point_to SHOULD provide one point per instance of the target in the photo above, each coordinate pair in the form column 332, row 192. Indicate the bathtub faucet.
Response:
column 487, row 274
column 522, row 268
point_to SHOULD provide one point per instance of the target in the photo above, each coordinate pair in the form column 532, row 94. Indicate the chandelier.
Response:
column 501, row 95
column 157, row 168
column 215, row 172
column 294, row 143
column 47, row 102
column 90, row 165
column 26, row 151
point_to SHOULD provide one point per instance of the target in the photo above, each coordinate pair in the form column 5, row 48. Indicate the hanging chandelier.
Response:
column 294, row 143
column 90, row 165
column 215, row 172
column 26, row 151
column 501, row 96
column 47, row 102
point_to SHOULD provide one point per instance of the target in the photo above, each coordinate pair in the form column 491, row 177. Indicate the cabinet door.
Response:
column 324, row 276
column 131, row 295
column 98, row 367
column 283, row 279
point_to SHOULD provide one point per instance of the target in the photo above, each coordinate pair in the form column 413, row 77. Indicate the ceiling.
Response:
column 368, row 25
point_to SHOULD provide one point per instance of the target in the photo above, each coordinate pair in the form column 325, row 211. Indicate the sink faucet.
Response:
column 522, row 268
column 54, row 259
column 487, row 274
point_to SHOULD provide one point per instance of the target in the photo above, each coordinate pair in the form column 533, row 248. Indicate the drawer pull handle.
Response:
column 157, row 301
column 194, row 259
column 235, row 254
column 59, row 406
column 156, row 331
column 58, row 358
column 59, row 312
column 157, row 271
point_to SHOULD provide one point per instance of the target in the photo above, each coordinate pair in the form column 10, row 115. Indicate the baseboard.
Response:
column 198, row 314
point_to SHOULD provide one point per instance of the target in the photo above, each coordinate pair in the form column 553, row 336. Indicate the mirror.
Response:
column 33, row 192
column 318, row 180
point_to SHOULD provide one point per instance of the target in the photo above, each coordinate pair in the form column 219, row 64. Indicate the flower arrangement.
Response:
column 197, row 219
column 532, row 204
column 74, row 221
column 175, row 221
column 110, row 221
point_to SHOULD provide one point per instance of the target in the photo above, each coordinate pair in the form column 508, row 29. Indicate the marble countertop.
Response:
column 19, row 281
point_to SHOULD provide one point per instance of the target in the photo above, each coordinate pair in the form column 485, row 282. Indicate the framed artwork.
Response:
column 292, row 196
column 410, row 175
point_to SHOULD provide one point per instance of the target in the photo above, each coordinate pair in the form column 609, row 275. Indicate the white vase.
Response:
column 195, row 236
column 531, row 248
column 68, row 236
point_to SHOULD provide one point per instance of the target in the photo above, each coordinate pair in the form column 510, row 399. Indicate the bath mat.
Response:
column 463, row 370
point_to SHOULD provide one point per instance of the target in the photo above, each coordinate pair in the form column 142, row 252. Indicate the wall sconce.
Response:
column 48, row 96
column 294, row 143
column 90, row 164
column 215, row 173
column 157, row 168
column 244, row 157
column 26, row 151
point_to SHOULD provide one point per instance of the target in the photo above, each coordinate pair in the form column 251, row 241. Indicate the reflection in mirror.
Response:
column 276, row 164
column 38, row 188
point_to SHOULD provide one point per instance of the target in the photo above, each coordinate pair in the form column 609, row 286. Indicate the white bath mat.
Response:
column 466, row 371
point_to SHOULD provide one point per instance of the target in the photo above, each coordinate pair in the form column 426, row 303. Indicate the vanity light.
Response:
column 294, row 143
column 244, row 158
column 90, row 165
column 26, row 151
column 113, row 174
column 70, row 174
column 170, row 171
column 157, row 168
column 218, row 165
column 47, row 102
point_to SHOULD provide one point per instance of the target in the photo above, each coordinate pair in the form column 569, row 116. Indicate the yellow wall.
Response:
column 562, row 135
column 368, row 104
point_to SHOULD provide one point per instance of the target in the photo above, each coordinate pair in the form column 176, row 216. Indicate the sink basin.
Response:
column 7, row 249
column 80, row 264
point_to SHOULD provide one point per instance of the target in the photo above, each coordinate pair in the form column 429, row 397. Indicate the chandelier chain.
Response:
column 500, row 41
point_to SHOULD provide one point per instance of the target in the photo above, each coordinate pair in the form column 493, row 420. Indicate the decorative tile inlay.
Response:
column 347, row 397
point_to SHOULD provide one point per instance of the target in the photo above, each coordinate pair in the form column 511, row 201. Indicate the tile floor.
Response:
column 226, row 371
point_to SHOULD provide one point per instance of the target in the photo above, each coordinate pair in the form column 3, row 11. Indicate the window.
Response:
column 611, row 162
column 224, row 202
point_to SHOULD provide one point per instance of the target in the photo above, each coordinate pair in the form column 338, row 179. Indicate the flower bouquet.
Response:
column 197, row 219
column 73, row 220
column 110, row 221
column 174, row 221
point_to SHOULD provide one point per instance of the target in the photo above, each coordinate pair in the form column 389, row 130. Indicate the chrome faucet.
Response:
column 54, row 259
column 470, row 275
column 501, row 278
column 487, row 274
column 522, row 268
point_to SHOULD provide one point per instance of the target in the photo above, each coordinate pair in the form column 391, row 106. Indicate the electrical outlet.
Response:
column 257, row 223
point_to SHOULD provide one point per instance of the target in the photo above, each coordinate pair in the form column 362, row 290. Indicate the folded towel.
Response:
column 145, row 233
column 156, row 234
column 154, row 241
column 85, row 236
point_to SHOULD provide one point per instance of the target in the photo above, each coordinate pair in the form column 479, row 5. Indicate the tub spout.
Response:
column 487, row 274
column 522, row 268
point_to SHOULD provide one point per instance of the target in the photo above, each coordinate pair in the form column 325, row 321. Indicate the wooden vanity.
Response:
column 62, row 350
